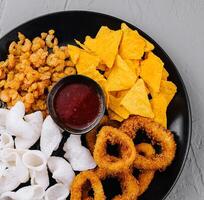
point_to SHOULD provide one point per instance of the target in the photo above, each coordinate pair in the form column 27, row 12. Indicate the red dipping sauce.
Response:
column 77, row 105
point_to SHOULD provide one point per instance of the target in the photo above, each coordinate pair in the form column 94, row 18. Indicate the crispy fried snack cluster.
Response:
column 133, row 78
column 128, row 157
column 31, row 69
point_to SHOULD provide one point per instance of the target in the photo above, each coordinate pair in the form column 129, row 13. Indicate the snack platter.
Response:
column 92, row 108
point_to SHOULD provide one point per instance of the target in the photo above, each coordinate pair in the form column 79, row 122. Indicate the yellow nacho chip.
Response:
column 99, row 78
column 148, row 45
column 86, row 61
column 113, row 116
column 136, row 100
column 101, row 67
column 168, row 89
column 105, row 46
column 132, row 45
column 107, row 97
column 117, row 108
column 121, row 94
column 107, row 73
column 74, row 53
column 159, row 107
column 151, row 71
column 134, row 65
column 103, row 31
column 165, row 74
column 121, row 77
column 82, row 45
column 95, row 75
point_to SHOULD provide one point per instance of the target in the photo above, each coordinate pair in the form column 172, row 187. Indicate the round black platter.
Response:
column 72, row 25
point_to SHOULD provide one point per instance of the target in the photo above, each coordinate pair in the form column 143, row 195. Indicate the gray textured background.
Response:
column 177, row 25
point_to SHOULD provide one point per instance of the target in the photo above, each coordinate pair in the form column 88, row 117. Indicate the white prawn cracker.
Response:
column 14, row 172
column 56, row 192
column 50, row 136
column 27, row 131
column 31, row 192
column 61, row 171
column 36, row 162
column 79, row 156
column 6, row 141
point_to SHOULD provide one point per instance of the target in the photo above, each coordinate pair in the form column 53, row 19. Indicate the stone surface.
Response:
column 177, row 26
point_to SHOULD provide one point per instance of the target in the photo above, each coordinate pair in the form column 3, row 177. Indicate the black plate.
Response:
column 72, row 25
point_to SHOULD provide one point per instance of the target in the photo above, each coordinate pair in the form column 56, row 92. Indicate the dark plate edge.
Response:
column 179, row 76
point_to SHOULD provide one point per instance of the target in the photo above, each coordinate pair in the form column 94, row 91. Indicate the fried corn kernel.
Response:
column 21, row 37
column 38, row 58
column 11, row 61
column 4, row 95
column 31, row 69
column 26, row 46
column 43, row 35
column 2, row 74
column 70, row 71
column 2, row 83
column 69, row 63
column 37, row 43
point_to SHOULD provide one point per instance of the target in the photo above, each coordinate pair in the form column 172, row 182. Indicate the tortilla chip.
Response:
column 101, row 67
column 168, row 89
column 113, row 116
column 95, row 75
column 107, row 72
column 86, row 61
column 121, row 77
column 136, row 100
column 121, row 94
column 159, row 107
column 105, row 45
column 147, row 89
column 104, row 30
column 132, row 45
column 165, row 74
column 148, row 45
column 151, row 71
column 74, row 53
column 99, row 78
column 134, row 65
column 117, row 108
column 82, row 45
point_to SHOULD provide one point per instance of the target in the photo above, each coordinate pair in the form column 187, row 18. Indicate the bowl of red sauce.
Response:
column 76, row 103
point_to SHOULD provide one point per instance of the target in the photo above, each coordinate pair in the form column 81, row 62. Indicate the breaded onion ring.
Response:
column 91, row 136
column 145, row 176
column 80, row 183
column 129, row 185
column 91, row 139
column 159, row 135
column 127, row 151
